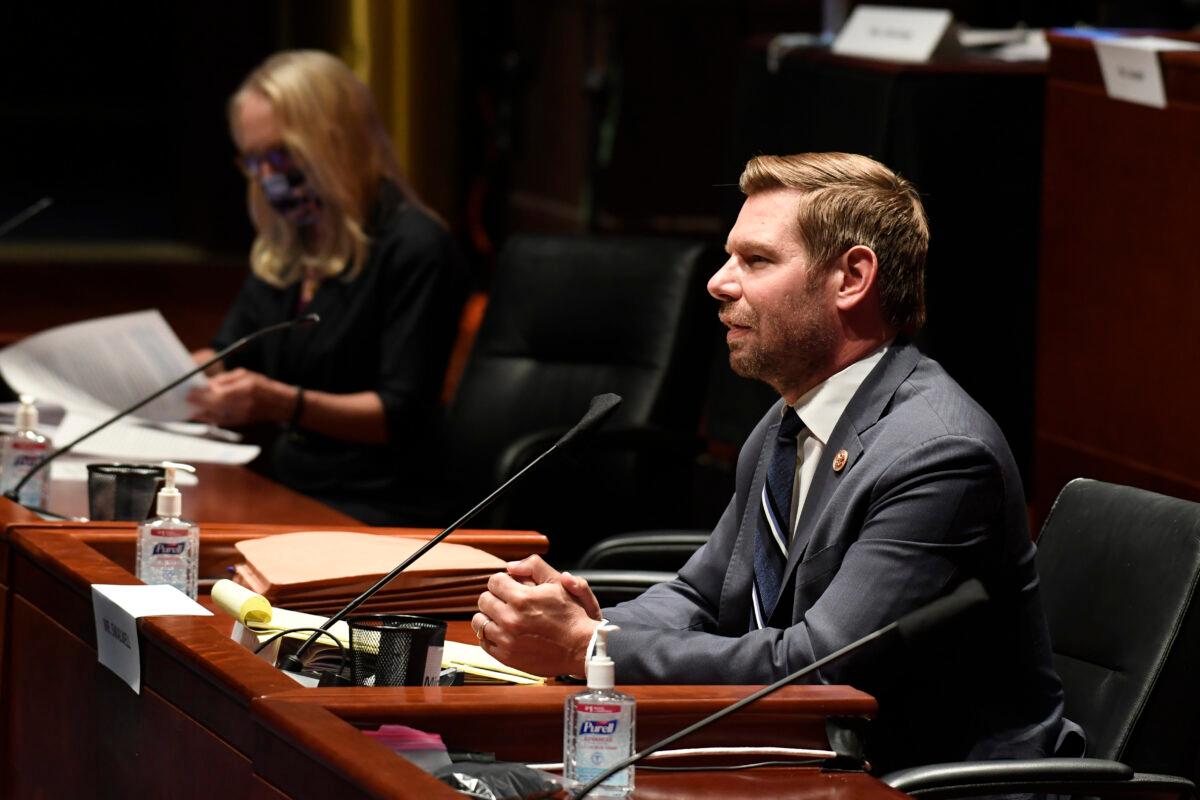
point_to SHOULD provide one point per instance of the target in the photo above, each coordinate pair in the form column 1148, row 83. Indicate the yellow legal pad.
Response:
column 257, row 614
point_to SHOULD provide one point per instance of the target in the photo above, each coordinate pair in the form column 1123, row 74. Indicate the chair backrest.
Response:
column 1119, row 569
column 573, row 317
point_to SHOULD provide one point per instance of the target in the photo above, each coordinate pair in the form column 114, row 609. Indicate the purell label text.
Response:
column 166, row 549
column 598, row 727
column 27, row 459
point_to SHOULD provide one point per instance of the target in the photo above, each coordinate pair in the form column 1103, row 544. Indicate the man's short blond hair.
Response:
column 853, row 200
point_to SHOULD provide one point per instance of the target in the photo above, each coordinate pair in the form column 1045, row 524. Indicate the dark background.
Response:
column 117, row 111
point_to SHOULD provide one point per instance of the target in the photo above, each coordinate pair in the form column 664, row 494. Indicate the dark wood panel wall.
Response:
column 192, row 295
column 1119, row 285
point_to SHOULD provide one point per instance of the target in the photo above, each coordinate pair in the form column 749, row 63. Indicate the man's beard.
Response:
column 786, row 356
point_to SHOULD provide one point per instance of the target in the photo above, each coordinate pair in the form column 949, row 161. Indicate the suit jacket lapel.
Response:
column 862, row 412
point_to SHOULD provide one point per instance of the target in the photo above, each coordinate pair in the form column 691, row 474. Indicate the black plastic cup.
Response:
column 395, row 649
column 123, row 491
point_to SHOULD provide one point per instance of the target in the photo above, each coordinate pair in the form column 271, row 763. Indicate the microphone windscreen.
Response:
column 920, row 624
column 601, row 407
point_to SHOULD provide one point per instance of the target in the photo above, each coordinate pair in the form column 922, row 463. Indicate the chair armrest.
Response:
column 612, row 586
column 1079, row 776
column 645, row 550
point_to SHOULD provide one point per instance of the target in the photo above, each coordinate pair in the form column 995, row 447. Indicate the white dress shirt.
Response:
column 820, row 409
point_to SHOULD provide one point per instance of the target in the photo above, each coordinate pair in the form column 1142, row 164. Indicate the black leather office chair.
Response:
column 1119, row 570
column 570, row 318
column 621, row 567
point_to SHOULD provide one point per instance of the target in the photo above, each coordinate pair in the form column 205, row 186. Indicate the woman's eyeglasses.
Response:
column 277, row 158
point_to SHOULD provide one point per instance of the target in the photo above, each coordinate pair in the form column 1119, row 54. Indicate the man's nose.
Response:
column 723, row 284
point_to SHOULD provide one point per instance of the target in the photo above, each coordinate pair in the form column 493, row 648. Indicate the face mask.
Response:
column 291, row 196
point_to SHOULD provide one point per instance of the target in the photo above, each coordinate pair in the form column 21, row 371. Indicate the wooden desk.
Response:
column 1116, row 369
column 225, row 494
column 311, row 742
column 228, row 724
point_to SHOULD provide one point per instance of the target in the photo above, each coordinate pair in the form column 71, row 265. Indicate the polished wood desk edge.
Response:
column 370, row 704
column 325, row 737
column 193, row 641
column 11, row 513
column 507, row 544
column 337, row 746
column 68, row 557
column 196, row 643
column 115, row 541
column 483, row 717
column 268, row 528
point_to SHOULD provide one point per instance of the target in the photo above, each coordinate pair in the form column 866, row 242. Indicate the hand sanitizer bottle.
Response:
column 598, row 729
column 22, row 451
column 168, row 547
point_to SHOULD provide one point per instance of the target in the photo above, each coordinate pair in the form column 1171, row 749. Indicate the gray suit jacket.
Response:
column 929, row 496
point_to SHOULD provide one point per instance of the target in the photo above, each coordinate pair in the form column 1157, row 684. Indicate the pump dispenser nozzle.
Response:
column 600, row 667
column 170, row 501
column 27, row 413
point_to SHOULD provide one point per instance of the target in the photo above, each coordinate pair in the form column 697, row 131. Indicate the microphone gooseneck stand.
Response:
column 598, row 411
column 19, row 219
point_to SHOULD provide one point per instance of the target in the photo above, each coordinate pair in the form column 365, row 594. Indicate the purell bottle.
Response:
column 168, row 548
column 22, row 451
column 598, row 726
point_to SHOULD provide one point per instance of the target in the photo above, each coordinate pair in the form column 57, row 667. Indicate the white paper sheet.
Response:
column 124, row 441
column 104, row 364
column 117, row 608
column 1131, row 69
column 898, row 34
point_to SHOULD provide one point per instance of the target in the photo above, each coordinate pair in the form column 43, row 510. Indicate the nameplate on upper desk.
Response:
column 1131, row 69
column 896, row 34
column 117, row 609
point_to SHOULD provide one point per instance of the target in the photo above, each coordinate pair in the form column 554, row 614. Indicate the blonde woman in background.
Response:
column 340, row 234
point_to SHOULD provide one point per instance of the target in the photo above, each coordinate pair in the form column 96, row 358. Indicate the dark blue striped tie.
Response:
column 773, row 529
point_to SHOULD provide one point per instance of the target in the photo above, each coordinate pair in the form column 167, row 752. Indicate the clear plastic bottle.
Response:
column 22, row 451
column 598, row 726
column 168, row 547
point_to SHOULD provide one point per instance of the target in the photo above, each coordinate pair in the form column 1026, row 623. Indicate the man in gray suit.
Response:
column 874, row 486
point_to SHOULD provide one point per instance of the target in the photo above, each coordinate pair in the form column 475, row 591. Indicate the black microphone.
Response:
column 20, row 219
column 600, row 408
column 914, row 628
column 14, row 493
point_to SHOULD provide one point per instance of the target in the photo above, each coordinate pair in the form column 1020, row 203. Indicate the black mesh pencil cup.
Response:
column 394, row 649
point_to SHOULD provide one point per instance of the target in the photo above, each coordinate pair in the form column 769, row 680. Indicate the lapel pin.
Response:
column 839, row 461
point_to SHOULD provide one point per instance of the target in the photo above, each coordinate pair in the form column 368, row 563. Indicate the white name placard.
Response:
column 896, row 34
column 1131, row 68
column 117, row 609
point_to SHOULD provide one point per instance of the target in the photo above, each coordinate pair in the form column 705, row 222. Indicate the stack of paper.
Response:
column 93, row 368
column 321, row 571
column 262, row 620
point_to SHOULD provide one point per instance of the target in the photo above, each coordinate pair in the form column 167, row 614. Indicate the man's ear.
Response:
column 857, row 269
